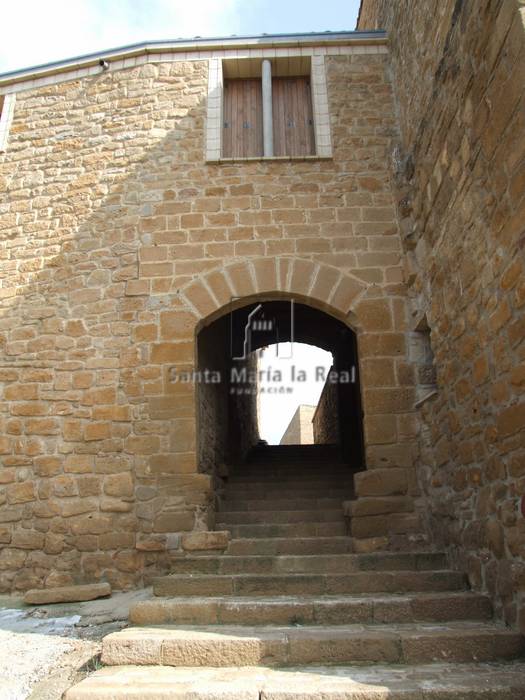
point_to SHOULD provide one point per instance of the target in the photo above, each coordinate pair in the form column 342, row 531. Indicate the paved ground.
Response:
column 44, row 649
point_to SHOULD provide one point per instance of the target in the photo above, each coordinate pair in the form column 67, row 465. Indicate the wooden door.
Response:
column 293, row 124
column 242, row 134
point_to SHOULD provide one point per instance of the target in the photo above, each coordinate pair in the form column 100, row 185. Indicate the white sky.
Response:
column 40, row 31
column 276, row 409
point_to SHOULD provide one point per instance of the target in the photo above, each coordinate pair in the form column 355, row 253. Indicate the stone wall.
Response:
column 244, row 424
column 458, row 68
column 117, row 240
column 227, row 426
column 299, row 430
column 326, row 417
column 212, row 400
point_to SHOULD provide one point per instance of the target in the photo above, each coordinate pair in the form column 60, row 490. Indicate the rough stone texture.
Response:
column 67, row 594
column 325, row 423
column 244, row 433
column 279, row 646
column 118, row 241
column 205, row 540
column 458, row 73
column 377, row 506
column 433, row 682
column 300, row 430
column 401, row 608
column 334, row 610
column 223, row 441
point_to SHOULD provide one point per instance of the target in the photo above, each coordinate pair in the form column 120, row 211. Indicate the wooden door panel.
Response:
column 242, row 134
column 293, row 131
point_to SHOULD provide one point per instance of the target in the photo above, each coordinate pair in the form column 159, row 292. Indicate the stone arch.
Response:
column 377, row 318
column 314, row 285
column 320, row 285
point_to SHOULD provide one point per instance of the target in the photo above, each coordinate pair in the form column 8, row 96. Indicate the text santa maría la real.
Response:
column 268, row 375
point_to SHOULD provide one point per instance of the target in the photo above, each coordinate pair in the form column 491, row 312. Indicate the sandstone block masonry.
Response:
column 117, row 240
column 458, row 72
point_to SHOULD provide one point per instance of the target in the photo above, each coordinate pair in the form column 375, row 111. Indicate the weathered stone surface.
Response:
column 109, row 266
column 366, row 545
column 274, row 646
column 67, row 594
column 300, row 430
column 27, row 539
column 306, row 584
column 378, row 506
column 381, row 482
column 206, row 540
column 123, row 281
column 459, row 168
column 336, row 610
column 174, row 522
column 377, row 525
column 435, row 681
column 21, row 493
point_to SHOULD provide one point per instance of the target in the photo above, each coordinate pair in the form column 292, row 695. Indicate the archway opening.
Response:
column 292, row 395
column 232, row 368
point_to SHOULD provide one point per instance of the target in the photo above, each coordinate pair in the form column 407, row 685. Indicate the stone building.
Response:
column 458, row 70
column 300, row 429
column 154, row 196
column 126, row 235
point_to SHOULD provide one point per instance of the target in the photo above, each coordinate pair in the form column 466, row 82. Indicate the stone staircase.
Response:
column 289, row 612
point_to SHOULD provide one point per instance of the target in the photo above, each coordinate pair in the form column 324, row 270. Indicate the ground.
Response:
column 55, row 645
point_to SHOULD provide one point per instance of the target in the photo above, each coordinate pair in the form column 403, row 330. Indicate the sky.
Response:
column 277, row 409
column 33, row 32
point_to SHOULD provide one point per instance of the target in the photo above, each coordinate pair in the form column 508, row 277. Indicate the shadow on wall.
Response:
column 100, row 233
column 110, row 210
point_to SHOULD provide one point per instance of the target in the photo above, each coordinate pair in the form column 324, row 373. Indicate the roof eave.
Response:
column 194, row 45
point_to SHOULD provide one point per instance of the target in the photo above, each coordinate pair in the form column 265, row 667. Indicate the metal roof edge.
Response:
column 196, row 44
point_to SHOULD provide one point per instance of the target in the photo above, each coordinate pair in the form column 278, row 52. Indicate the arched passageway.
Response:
column 228, row 373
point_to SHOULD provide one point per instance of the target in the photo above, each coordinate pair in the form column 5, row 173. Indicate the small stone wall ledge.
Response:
column 268, row 158
column 427, row 397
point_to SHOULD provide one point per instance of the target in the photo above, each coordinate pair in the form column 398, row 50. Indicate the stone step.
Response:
column 279, row 503
column 308, row 454
column 308, row 584
column 270, row 517
column 325, row 563
column 270, row 492
column 320, row 471
column 291, row 457
column 268, row 453
column 390, row 481
column 377, row 525
column 367, row 506
column 289, row 481
column 440, row 681
column 312, row 529
column 227, row 645
column 289, row 545
column 297, row 465
column 327, row 610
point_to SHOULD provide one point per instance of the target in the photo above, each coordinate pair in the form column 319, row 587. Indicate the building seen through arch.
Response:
column 228, row 409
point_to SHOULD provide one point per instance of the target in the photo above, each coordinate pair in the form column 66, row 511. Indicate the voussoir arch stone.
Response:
column 317, row 284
